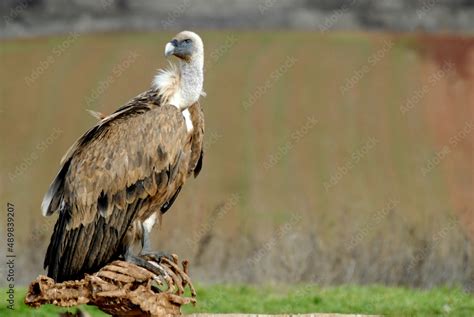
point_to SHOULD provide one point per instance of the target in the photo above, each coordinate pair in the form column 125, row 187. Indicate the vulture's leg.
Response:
column 146, row 244
column 147, row 252
column 143, row 258
column 147, row 226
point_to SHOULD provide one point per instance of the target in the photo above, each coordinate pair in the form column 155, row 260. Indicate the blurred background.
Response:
column 339, row 133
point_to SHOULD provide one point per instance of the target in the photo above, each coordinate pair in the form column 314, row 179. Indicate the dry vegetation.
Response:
column 303, row 180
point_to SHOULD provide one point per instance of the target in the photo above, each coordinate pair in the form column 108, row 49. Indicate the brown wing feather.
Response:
column 117, row 172
column 197, row 151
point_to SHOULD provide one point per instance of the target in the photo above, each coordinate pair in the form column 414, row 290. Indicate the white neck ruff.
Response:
column 180, row 85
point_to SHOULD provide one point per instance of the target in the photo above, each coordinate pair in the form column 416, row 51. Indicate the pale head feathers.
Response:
column 181, row 84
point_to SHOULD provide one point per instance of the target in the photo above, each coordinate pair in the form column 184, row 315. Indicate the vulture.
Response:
column 124, row 173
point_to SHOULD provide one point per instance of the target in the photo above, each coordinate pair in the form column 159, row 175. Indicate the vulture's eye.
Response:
column 187, row 41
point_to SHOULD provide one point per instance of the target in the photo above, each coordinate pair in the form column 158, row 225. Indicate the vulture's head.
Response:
column 185, row 45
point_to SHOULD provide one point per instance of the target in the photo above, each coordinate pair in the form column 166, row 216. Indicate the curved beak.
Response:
column 169, row 49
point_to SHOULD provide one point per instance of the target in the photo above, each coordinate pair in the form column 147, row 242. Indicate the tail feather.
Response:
column 72, row 252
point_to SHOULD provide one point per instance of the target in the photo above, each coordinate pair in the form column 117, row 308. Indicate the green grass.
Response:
column 305, row 299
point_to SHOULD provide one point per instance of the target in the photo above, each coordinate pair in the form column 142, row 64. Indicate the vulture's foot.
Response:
column 156, row 256
column 144, row 263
